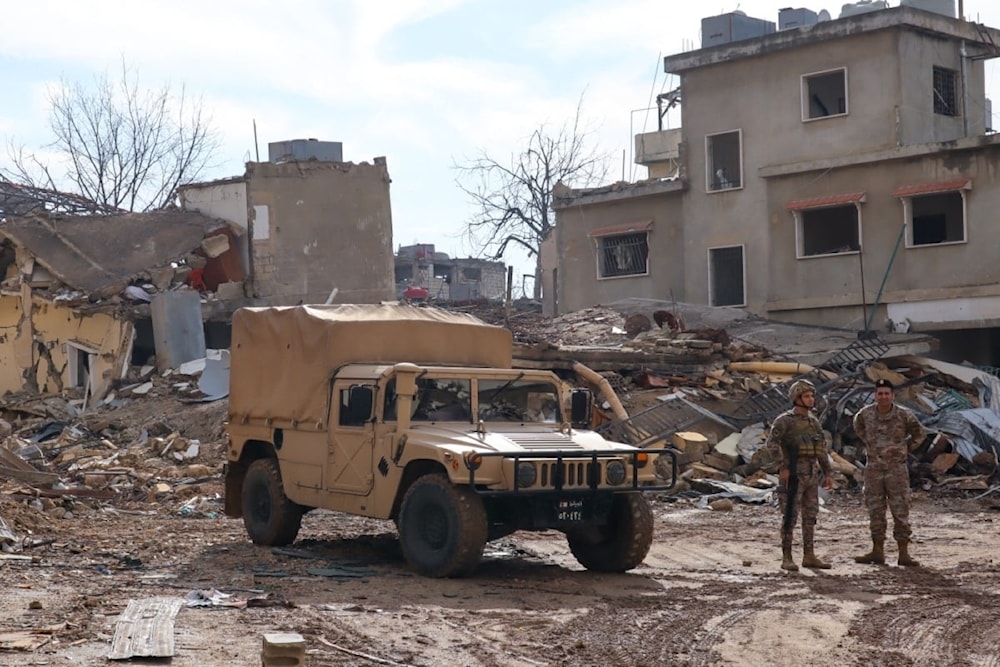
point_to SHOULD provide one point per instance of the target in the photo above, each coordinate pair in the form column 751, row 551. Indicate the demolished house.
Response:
column 707, row 382
column 76, row 293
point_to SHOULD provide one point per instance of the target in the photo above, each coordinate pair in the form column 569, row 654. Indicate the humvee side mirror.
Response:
column 581, row 405
column 360, row 400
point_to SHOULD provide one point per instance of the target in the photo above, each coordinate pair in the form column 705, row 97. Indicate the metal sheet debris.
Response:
column 146, row 629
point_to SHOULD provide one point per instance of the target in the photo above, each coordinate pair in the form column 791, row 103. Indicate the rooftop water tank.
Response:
column 732, row 27
column 945, row 7
column 862, row 7
column 305, row 149
column 796, row 18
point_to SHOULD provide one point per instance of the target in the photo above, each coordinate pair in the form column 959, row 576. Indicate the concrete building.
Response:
column 313, row 225
column 445, row 278
column 838, row 173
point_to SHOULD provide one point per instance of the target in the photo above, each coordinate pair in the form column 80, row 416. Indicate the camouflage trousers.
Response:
column 888, row 483
column 804, row 501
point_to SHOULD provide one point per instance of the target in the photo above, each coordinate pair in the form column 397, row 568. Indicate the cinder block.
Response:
column 283, row 649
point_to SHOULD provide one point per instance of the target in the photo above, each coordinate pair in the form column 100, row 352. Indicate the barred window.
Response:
column 945, row 91
column 623, row 255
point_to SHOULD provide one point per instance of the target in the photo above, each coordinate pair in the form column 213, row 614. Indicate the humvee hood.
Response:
column 507, row 438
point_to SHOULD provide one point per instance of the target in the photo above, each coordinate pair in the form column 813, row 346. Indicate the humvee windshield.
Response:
column 450, row 399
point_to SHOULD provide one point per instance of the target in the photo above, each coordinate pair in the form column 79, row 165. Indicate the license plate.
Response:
column 569, row 510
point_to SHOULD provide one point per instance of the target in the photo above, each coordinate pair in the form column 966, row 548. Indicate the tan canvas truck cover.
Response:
column 283, row 357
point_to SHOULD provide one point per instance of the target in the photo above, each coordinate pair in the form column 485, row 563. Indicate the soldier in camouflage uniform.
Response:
column 890, row 432
column 799, row 436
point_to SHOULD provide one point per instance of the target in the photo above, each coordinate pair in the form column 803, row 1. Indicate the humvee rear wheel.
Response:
column 623, row 543
column 442, row 527
column 269, row 516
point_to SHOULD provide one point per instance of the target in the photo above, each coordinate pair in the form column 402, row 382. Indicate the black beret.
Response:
column 882, row 382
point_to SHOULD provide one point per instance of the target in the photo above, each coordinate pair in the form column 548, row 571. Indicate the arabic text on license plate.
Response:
column 569, row 510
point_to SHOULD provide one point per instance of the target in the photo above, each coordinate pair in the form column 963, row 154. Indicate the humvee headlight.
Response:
column 615, row 473
column 526, row 474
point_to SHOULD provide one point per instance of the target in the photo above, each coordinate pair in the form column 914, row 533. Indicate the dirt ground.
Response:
column 709, row 593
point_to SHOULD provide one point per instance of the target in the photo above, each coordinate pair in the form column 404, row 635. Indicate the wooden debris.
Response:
column 944, row 462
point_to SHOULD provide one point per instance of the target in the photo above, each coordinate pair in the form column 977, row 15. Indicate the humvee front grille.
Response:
column 571, row 475
column 573, row 471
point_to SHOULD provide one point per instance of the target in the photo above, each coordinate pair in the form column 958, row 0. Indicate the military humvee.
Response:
column 416, row 415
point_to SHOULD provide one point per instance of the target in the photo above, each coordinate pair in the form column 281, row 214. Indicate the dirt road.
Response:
column 709, row 593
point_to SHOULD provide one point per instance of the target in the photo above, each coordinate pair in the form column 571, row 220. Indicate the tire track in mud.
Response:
column 935, row 628
column 704, row 652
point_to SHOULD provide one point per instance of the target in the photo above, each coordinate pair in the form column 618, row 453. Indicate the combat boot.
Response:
column 876, row 555
column 786, row 554
column 904, row 554
column 809, row 558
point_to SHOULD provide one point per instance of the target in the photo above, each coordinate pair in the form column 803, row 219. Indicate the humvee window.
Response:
column 443, row 399
column 518, row 401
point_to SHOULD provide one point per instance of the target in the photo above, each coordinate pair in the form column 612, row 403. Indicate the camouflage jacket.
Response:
column 800, row 438
column 889, row 437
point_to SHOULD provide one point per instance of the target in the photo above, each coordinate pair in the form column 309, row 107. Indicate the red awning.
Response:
column 829, row 200
column 931, row 188
column 630, row 228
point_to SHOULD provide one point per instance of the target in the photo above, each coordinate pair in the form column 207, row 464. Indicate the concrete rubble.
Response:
column 702, row 391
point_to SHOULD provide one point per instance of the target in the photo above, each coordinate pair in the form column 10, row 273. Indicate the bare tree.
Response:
column 514, row 200
column 122, row 146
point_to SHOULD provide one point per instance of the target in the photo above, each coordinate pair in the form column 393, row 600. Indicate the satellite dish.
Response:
column 823, row 16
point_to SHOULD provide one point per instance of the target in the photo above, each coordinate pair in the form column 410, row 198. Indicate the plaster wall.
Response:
column 54, row 327
column 11, row 377
column 577, row 283
column 716, row 100
column 827, row 289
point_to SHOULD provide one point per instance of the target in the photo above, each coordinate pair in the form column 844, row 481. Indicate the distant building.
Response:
column 446, row 279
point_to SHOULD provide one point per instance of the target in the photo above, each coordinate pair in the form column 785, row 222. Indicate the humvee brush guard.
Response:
column 415, row 415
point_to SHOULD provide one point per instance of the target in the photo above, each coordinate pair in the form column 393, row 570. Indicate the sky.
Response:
column 426, row 83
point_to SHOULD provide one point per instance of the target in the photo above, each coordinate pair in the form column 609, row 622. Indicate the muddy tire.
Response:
column 442, row 527
column 269, row 516
column 623, row 543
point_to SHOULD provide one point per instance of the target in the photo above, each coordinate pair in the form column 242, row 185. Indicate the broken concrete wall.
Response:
column 319, row 226
column 226, row 200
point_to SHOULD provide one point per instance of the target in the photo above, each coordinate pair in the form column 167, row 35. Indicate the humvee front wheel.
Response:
column 269, row 516
column 623, row 543
column 442, row 527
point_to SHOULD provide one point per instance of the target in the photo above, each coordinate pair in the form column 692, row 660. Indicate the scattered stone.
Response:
column 721, row 505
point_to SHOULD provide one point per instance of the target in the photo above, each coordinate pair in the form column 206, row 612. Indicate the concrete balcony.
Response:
column 660, row 152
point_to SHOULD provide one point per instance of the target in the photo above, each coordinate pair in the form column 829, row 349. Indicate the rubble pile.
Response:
column 707, row 394
column 145, row 443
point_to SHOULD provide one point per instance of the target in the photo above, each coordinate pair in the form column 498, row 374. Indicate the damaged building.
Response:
column 299, row 212
column 829, row 192
column 423, row 274
column 88, row 292
column 75, row 299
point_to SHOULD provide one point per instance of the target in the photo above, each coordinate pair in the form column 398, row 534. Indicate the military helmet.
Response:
column 800, row 387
